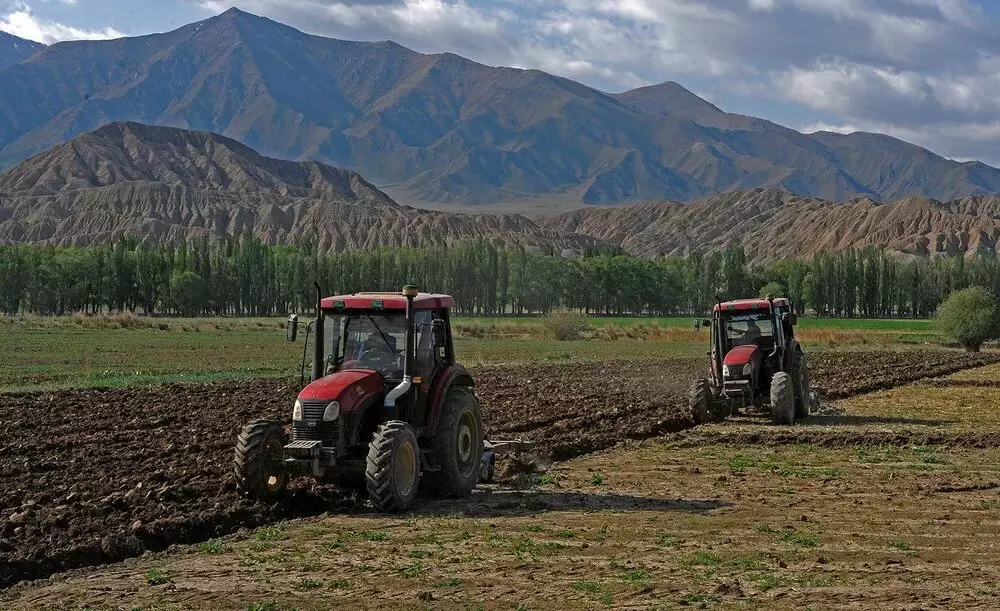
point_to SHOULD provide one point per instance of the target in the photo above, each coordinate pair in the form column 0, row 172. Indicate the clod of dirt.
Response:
column 731, row 588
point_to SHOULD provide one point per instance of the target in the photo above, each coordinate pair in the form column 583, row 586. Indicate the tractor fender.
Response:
column 455, row 375
column 794, row 347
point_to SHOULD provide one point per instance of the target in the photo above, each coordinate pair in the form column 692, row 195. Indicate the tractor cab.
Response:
column 386, row 408
column 367, row 334
column 755, row 360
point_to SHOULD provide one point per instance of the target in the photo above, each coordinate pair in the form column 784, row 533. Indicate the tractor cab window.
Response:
column 366, row 340
column 363, row 340
column 423, row 363
column 749, row 329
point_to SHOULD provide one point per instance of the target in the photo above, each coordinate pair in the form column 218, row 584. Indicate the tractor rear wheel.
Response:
column 800, row 379
column 392, row 471
column 258, row 464
column 782, row 399
column 457, row 445
column 698, row 398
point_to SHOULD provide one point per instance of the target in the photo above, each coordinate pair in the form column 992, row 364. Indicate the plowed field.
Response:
column 97, row 476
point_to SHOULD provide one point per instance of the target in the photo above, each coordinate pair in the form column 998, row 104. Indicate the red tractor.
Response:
column 388, row 410
column 756, row 361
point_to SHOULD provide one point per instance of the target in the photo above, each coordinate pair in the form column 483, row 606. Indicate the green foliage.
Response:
column 245, row 277
column 969, row 317
column 157, row 577
column 308, row 584
column 213, row 546
column 188, row 293
column 269, row 534
column 772, row 288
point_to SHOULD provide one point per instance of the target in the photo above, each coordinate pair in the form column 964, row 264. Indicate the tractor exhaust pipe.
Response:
column 409, row 291
column 317, row 368
column 777, row 330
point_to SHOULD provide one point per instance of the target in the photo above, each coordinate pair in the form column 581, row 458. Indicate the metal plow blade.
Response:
column 522, row 452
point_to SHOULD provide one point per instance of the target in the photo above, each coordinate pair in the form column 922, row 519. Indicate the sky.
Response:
column 925, row 71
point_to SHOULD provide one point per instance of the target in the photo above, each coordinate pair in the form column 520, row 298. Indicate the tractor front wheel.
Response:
column 782, row 399
column 800, row 379
column 260, row 471
column 392, row 471
column 457, row 445
column 698, row 398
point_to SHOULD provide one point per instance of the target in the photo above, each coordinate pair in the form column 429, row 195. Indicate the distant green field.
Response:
column 805, row 322
column 49, row 353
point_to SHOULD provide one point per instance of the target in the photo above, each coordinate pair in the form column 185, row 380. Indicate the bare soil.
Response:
column 650, row 525
column 97, row 476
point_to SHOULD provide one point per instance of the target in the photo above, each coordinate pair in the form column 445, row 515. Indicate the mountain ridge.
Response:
column 14, row 49
column 439, row 129
column 771, row 224
column 160, row 184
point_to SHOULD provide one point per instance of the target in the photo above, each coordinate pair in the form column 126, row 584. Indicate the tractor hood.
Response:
column 741, row 355
column 349, row 386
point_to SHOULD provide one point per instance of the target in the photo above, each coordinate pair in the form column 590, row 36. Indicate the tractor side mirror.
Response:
column 790, row 318
column 292, row 329
column 706, row 323
column 439, row 332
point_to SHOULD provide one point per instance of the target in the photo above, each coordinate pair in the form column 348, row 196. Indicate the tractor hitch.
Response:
column 492, row 449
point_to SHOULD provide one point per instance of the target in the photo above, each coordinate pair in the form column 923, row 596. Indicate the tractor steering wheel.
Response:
column 376, row 355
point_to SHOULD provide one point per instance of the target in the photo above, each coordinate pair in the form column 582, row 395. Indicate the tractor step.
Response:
column 304, row 448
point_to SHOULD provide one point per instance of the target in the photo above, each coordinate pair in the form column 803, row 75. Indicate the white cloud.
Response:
column 22, row 23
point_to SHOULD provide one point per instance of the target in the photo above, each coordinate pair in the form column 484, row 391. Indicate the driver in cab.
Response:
column 751, row 335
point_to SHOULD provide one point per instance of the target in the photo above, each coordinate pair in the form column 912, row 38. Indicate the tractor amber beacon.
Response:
column 388, row 411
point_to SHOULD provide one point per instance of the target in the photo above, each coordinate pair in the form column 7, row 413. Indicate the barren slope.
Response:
column 773, row 224
column 160, row 183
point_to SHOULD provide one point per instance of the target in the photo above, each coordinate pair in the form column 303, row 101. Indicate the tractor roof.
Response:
column 749, row 304
column 387, row 301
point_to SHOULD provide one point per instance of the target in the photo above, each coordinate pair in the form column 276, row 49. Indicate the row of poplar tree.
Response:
column 246, row 277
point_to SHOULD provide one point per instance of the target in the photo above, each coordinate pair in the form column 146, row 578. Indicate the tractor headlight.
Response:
column 297, row 410
column 747, row 369
column 332, row 411
column 725, row 371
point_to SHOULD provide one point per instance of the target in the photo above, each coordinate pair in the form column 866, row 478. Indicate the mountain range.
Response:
column 14, row 49
column 441, row 130
column 160, row 183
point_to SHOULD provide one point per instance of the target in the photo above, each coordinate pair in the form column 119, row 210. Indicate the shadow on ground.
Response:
column 518, row 503
column 858, row 420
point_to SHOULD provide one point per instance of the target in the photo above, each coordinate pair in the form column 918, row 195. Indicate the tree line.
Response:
column 249, row 278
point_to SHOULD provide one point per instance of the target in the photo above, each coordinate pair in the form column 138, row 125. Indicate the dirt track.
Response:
column 97, row 476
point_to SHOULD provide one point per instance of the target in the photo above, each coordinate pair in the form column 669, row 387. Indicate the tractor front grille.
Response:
column 313, row 410
column 327, row 432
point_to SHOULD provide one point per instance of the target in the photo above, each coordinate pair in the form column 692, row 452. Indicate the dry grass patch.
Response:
column 957, row 408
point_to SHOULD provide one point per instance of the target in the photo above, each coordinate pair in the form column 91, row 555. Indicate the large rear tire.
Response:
column 258, row 464
column 800, row 378
column 782, row 399
column 698, row 398
column 457, row 445
column 392, row 472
